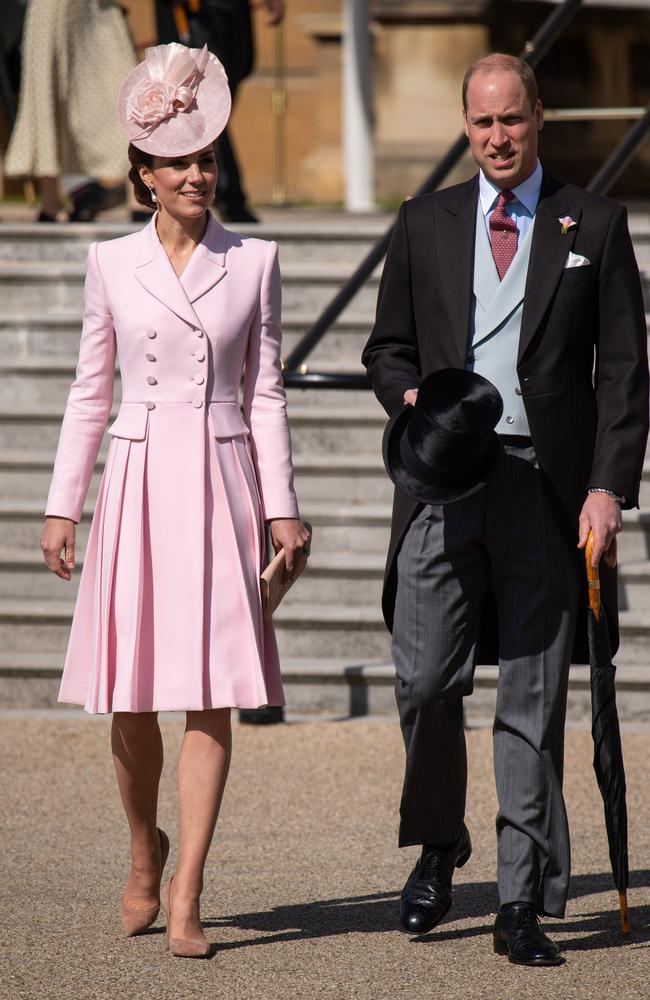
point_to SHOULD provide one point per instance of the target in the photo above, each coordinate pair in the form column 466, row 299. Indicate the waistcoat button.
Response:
column 510, row 420
column 150, row 405
column 199, row 355
column 199, row 379
column 150, row 357
column 151, row 334
column 152, row 380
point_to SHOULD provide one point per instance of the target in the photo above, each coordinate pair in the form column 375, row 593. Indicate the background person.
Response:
column 75, row 55
column 527, row 281
column 225, row 26
column 168, row 615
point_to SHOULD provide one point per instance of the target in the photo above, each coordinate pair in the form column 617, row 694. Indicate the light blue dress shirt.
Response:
column 523, row 206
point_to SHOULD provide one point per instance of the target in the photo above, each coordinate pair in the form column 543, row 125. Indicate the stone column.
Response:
column 358, row 150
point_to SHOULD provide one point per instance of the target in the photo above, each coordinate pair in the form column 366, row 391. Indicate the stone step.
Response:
column 42, row 336
column 634, row 586
column 341, row 687
column 302, row 629
column 34, row 634
column 331, row 577
column 57, row 285
column 339, row 527
column 360, row 478
column 346, row 429
column 339, row 240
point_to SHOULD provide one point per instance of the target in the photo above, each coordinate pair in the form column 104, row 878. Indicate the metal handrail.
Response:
column 534, row 52
column 614, row 166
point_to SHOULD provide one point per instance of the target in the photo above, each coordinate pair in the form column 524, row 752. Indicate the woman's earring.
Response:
column 153, row 195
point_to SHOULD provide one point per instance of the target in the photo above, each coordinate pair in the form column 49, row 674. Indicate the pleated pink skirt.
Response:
column 168, row 615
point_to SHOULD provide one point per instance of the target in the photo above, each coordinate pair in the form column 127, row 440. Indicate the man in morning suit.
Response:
column 533, row 284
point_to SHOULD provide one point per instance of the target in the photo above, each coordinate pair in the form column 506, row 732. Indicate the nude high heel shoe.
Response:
column 135, row 917
column 196, row 947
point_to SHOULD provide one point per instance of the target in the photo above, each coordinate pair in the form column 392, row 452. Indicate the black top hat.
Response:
column 442, row 449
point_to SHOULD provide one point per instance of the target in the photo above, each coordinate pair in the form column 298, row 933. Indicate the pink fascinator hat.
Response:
column 175, row 102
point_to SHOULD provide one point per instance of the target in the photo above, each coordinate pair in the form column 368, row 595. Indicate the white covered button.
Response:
column 199, row 379
column 199, row 333
column 197, row 402
column 152, row 380
column 150, row 405
column 199, row 355
column 150, row 357
column 151, row 334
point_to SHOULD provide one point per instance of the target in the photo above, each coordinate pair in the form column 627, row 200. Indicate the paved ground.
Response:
column 303, row 878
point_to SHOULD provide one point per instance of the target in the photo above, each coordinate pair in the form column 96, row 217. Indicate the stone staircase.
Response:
column 334, row 646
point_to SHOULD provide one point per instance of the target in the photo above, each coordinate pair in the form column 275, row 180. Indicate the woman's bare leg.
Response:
column 202, row 772
column 138, row 756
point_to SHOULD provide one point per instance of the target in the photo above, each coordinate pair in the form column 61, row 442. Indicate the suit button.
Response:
column 150, row 405
column 199, row 379
column 152, row 380
column 151, row 334
column 470, row 359
column 517, row 391
column 199, row 355
column 197, row 402
column 199, row 333
column 150, row 357
column 510, row 420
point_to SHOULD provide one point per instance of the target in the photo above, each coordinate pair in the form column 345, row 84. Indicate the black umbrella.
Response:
column 608, row 754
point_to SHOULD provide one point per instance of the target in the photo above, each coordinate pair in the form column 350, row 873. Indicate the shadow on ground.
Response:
column 379, row 912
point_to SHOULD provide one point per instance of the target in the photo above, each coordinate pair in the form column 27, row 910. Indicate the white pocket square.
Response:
column 575, row 260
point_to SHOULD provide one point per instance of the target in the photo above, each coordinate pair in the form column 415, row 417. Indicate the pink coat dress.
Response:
column 168, row 614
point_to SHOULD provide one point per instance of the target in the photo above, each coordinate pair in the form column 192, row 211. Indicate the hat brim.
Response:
column 187, row 131
column 414, row 487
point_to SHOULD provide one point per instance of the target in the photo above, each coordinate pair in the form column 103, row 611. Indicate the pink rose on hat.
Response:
column 154, row 101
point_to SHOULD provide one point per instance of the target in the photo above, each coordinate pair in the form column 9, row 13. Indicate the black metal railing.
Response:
column 534, row 51
column 295, row 373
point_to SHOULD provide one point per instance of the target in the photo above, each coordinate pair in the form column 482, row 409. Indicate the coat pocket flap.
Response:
column 226, row 419
column 131, row 422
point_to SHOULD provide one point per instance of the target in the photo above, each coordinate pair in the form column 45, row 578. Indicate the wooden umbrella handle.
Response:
column 593, row 580
column 625, row 914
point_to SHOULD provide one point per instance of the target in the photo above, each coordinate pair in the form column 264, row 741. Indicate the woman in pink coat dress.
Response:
column 168, row 615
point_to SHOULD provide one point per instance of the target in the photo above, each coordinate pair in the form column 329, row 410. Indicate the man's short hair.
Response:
column 499, row 61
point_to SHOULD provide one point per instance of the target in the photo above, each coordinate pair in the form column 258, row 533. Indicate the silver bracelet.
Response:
column 610, row 493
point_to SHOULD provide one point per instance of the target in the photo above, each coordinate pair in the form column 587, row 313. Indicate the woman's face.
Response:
column 183, row 185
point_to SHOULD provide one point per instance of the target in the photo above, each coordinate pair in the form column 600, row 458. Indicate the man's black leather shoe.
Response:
column 426, row 897
column 518, row 935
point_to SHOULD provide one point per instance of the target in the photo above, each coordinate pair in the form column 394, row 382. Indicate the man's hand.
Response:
column 410, row 396
column 274, row 10
column 58, row 533
column 602, row 515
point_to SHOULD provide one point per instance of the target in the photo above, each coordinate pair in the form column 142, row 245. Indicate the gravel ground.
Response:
column 303, row 880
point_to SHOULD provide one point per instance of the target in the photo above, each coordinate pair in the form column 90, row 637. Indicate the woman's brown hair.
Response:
column 139, row 159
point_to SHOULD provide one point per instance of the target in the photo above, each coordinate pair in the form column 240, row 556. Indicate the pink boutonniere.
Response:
column 567, row 223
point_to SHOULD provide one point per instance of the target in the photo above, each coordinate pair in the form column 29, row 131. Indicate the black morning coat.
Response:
column 582, row 361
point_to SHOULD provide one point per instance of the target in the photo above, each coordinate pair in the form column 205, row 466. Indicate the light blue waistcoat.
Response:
column 496, row 324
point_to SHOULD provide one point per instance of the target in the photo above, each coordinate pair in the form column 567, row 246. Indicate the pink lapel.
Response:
column 206, row 267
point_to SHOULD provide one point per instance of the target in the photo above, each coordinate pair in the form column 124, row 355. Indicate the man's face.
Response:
column 502, row 128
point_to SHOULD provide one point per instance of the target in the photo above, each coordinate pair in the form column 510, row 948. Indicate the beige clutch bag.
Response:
column 275, row 581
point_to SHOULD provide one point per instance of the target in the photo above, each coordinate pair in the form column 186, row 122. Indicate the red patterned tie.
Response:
column 503, row 235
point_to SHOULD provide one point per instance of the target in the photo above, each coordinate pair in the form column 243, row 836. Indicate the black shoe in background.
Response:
column 232, row 213
column 426, row 897
column 517, row 934
column 90, row 198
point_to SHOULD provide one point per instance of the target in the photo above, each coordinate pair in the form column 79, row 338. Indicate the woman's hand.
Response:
column 58, row 533
column 292, row 535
